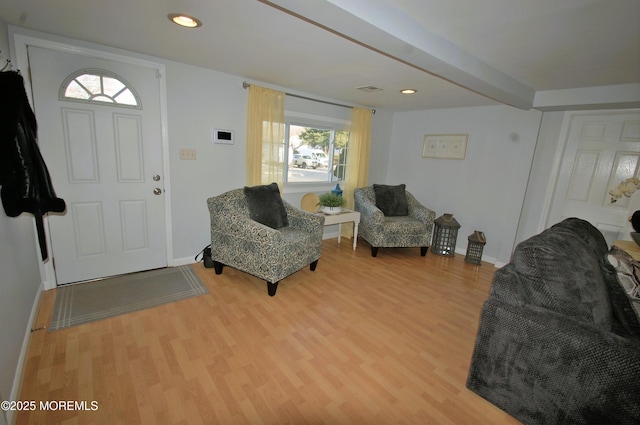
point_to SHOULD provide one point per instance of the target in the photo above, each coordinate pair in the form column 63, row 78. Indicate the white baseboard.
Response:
column 330, row 235
column 492, row 260
column 190, row 260
column 17, row 379
column 183, row 261
column 333, row 234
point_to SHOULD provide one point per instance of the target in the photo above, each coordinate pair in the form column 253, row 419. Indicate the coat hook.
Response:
column 7, row 64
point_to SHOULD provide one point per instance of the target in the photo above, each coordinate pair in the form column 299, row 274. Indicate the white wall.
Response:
column 19, row 289
column 381, row 145
column 199, row 100
column 485, row 191
column 19, row 284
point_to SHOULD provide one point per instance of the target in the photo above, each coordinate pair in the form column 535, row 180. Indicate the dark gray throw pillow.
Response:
column 265, row 205
column 391, row 200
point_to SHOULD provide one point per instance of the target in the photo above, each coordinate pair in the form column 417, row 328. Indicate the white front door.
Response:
column 105, row 161
column 602, row 150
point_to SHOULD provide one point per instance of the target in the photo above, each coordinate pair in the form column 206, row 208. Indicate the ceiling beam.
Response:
column 378, row 26
column 621, row 96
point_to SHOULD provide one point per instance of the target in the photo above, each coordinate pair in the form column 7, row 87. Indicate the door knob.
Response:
column 157, row 191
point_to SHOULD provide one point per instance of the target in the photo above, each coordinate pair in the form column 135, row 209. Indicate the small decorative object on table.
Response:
column 445, row 234
column 330, row 203
column 337, row 190
column 477, row 240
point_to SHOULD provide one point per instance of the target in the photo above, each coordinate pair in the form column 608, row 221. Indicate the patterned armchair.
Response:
column 247, row 245
column 391, row 230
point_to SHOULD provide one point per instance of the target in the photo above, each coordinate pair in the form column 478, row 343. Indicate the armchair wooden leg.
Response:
column 217, row 266
column 423, row 250
column 272, row 288
column 374, row 251
column 313, row 265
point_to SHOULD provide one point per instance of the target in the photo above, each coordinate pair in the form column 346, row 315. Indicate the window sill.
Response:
column 305, row 187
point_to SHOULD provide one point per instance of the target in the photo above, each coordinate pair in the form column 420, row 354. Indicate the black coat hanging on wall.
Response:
column 26, row 184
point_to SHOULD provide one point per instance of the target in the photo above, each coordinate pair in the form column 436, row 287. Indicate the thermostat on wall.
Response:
column 224, row 137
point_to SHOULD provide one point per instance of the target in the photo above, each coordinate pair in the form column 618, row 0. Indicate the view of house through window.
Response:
column 315, row 154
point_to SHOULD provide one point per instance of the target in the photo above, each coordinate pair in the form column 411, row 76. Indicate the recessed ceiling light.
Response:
column 184, row 20
column 408, row 91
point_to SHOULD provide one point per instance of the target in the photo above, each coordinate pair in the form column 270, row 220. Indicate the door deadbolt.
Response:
column 156, row 178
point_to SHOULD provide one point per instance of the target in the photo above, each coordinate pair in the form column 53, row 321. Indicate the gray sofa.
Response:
column 559, row 340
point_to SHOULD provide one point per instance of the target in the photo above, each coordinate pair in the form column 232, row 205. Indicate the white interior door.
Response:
column 602, row 150
column 105, row 160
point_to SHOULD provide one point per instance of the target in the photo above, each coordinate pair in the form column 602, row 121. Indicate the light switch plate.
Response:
column 189, row 154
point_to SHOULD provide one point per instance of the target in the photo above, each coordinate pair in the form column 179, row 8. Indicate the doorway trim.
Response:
column 21, row 42
column 556, row 169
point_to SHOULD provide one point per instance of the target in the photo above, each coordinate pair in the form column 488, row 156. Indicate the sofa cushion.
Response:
column 626, row 297
column 391, row 200
column 560, row 272
column 266, row 206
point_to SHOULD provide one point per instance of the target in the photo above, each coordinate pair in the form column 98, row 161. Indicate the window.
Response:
column 315, row 153
column 99, row 86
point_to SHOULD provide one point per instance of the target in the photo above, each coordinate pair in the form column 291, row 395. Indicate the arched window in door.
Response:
column 99, row 86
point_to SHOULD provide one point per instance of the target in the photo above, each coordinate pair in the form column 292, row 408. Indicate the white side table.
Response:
column 345, row 216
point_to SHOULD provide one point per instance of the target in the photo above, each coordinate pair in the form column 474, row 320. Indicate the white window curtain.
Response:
column 265, row 137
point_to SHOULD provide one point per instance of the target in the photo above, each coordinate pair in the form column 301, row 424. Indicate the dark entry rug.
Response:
column 90, row 301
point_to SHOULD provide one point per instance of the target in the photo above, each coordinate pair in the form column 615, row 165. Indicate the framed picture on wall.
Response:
column 447, row 146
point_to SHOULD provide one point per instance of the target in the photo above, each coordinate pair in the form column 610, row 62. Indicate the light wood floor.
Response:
column 361, row 340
